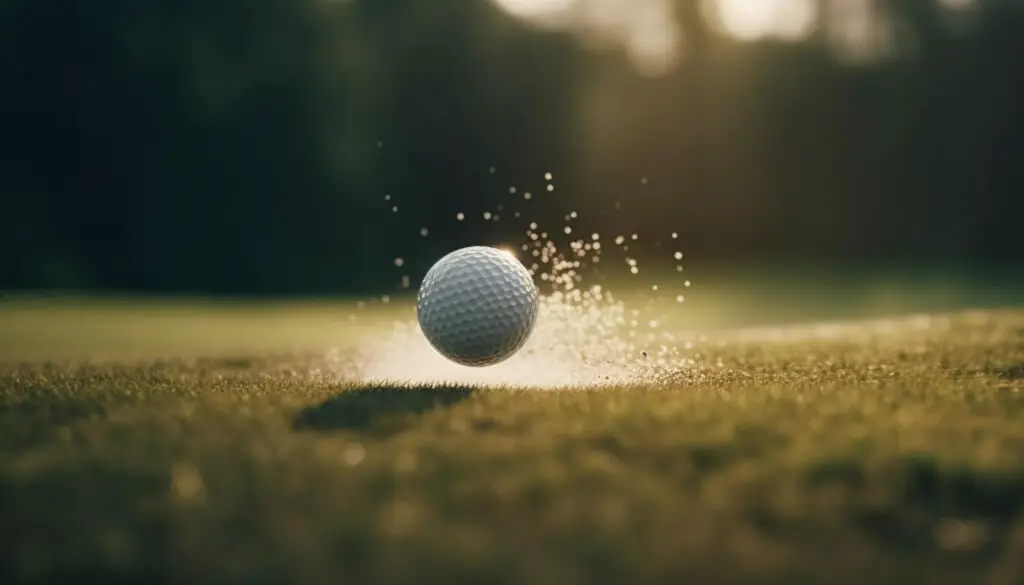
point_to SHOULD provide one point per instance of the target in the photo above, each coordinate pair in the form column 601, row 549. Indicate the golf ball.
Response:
column 477, row 306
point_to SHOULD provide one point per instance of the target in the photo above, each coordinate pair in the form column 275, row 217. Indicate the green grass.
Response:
column 214, row 445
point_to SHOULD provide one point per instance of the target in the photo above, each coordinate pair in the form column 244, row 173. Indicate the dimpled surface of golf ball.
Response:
column 477, row 306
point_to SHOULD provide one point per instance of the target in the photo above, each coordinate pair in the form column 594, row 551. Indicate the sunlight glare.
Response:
column 654, row 41
column 751, row 20
column 859, row 30
column 647, row 30
column 534, row 9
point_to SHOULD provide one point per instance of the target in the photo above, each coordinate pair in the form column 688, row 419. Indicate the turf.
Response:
column 875, row 452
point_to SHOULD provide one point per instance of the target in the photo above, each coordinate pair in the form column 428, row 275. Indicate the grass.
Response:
column 885, row 452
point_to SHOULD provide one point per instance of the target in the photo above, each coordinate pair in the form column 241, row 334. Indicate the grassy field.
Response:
column 162, row 443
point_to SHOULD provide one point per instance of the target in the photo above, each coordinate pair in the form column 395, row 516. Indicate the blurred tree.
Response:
column 246, row 146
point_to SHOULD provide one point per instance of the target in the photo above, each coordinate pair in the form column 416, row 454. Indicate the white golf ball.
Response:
column 477, row 306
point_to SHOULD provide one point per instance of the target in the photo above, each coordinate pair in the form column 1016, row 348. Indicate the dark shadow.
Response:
column 378, row 409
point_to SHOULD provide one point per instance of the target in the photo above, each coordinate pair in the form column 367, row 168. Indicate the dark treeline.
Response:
column 246, row 146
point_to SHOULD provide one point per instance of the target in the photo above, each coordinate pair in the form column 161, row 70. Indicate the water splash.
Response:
column 584, row 337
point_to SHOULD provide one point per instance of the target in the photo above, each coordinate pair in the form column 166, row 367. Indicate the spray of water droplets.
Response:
column 584, row 337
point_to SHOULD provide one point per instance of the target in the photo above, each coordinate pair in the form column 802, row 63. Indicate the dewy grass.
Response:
column 887, row 451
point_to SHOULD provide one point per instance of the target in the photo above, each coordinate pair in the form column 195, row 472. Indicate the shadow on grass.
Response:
column 378, row 409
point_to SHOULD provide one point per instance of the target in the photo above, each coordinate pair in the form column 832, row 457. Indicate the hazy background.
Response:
column 259, row 146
